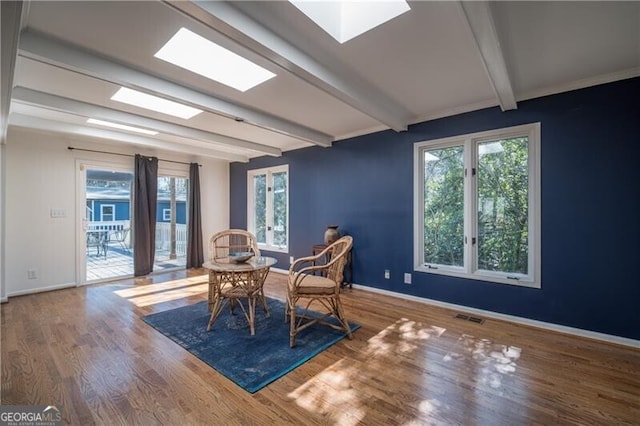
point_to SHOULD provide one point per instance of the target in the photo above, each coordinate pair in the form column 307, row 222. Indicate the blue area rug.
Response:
column 252, row 362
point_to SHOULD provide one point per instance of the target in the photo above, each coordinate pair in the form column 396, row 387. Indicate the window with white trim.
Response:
column 107, row 212
column 477, row 206
column 268, row 207
column 166, row 215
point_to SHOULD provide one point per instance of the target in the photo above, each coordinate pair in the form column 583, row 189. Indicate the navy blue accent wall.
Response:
column 590, row 188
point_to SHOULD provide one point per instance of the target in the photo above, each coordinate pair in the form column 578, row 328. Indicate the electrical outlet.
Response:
column 387, row 274
column 32, row 274
column 407, row 278
column 291, row 259
column 55, row 213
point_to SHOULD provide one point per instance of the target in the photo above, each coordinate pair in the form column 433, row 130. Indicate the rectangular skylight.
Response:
column 121, row 126
column 154, row 103
column 201, row 56
column 344, row 20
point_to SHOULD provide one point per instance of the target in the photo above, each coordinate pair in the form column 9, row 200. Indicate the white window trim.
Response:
column 113, row 207
column 166, row 214
column 251, row 210
column 469, row 270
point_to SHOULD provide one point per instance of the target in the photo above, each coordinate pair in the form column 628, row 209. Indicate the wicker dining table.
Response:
column 234, row 282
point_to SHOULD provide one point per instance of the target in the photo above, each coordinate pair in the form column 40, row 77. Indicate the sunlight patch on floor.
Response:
column 402, row 336
column 429, row 410
column 169, row 295
column 494, row 360
column 156, row 288
column 331, row 393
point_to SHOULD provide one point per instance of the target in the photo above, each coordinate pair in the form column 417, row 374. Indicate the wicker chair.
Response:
column 228, row 288
column 322, row 289
column 231, row 241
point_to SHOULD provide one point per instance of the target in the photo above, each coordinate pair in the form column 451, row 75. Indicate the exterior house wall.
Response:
column 122, row 210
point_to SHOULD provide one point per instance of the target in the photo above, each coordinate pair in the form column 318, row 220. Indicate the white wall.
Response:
column 41, row 175
column 3, row 287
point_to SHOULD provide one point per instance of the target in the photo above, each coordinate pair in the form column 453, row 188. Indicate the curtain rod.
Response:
column 70, row 148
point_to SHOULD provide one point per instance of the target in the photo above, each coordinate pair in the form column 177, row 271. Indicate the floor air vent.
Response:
column 465, row 317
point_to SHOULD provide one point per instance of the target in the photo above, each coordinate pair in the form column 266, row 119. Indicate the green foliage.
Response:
column 260, row 206
column 275, row 186
column 280, row 209
column 443, row 206
column 502, row 204
column 503, row 182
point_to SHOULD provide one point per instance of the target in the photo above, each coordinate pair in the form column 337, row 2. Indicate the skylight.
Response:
column 201, row 56
column 344, row 20
column 154, row 103
column 121, row 126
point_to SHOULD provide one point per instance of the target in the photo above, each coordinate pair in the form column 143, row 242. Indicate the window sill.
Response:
column 273, row 248
column 479, row 276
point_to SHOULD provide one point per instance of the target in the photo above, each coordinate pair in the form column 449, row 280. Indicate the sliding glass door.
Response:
column 106, row 245
column 106, row 225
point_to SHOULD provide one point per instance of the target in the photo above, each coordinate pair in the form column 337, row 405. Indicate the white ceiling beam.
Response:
column 88, row 110
column 11, row 13
column 67, row 56
column 225, row 19
column 27, row 121
column 478, row 16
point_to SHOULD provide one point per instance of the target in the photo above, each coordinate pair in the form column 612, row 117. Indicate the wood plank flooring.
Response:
column 410, row 364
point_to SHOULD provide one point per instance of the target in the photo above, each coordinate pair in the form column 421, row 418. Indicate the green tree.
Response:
column 280, row 208
column 503, row 184
column 260, row 205
column 502, row 205
column 443, row 206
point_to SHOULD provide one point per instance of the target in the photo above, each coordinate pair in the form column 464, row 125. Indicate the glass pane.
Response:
column 260, row 208
column 503, row 208
column 444, row 206
column 171, row 222
column 280, row 209
column 109, row 252
column 107, row 213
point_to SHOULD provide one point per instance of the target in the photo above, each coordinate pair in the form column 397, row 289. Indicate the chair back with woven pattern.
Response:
column 231, row 241
column 339, row 250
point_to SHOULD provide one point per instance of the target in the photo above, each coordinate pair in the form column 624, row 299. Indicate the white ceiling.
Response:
column 438, row 59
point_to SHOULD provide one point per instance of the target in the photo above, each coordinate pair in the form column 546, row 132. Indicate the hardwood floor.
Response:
column 87, row 350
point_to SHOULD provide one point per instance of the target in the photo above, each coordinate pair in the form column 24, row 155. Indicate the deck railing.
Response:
column 114, row 225
column 163, row 237
column 163, row 234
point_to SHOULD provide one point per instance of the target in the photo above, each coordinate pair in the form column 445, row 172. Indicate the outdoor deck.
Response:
column 119, row 263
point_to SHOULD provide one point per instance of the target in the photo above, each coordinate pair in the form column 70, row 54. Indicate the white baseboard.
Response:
column 279, row 271
column 4, row 299
column 41, row 289
column 511, row 318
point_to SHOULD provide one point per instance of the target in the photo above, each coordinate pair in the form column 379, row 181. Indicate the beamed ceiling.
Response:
column 62, row 62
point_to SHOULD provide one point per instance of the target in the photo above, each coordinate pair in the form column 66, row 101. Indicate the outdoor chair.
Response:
column 321, row 290
column 98, row 239
column 120, row 236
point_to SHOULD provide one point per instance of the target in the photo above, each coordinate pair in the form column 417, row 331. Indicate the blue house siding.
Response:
column 590, row 147
column 122, row 210
column 181, row 209
column 121, row 207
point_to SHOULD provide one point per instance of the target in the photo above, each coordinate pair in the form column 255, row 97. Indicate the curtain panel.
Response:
column 145, row 197
column 195, row 251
